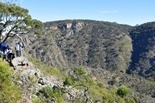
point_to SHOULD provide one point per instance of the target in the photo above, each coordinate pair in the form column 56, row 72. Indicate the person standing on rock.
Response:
column 18, row 50
column 10, row 56
column 21, row 48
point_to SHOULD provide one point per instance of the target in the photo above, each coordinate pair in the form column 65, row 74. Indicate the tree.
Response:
column 15, row 20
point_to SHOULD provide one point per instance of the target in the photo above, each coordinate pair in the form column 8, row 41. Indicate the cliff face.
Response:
column 96, row 44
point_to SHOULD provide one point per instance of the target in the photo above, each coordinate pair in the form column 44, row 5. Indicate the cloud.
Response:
column 109, row 12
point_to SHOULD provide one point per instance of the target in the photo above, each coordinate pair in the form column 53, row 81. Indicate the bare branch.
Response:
column 7, row 35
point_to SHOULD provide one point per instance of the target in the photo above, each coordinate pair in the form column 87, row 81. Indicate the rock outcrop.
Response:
column 31, row 81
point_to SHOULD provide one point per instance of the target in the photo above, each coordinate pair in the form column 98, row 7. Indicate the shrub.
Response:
column 68, row 81
column 37, row 100
column 123, row 91
column 47, row 93
column 9, row 92
column 79, row 71
column 100, row 84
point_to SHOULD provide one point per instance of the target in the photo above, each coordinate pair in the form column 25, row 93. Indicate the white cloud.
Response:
column 109, row 12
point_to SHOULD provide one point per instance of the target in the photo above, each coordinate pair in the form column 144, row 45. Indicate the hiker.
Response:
column 21, row 48
column 3, row 46
column 5, row 53
column 3, row 49
column 18, row 50
column 10, row 55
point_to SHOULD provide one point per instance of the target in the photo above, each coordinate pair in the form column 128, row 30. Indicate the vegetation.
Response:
column 9, row 91
column 110, row 50
column 107, row 45
column 123, row 91
column 69, row 81
column 16, row 20
column 101, row 46
column 48, row 94
column 95, row 91
column 143, row 50
column 95, row 44
column 46, row 69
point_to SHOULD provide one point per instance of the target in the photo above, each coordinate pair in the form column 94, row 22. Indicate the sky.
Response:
column 131, row 12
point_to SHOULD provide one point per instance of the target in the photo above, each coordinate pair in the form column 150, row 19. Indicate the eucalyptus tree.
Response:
column 15, row 20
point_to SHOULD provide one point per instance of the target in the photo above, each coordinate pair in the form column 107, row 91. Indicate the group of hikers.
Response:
column 6, row 52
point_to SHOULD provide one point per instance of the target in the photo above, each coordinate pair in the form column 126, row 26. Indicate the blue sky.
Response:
column 130, row 12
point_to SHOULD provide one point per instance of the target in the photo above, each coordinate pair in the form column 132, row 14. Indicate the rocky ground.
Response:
column 30, row 79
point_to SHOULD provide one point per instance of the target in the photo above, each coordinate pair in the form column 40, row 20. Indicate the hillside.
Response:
column 37, row 83
column 143, row 55
column 96, row 44
column 87, row 43
column 107, row 51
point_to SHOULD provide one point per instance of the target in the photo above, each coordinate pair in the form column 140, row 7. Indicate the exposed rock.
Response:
column 30, row 78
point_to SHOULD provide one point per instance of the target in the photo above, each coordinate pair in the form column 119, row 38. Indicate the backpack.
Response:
column 3, row 46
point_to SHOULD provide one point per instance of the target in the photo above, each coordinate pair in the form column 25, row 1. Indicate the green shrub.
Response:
column 68, row 81
column 9, row 92
column 47, row 94
column 79, row 71
column 100, row 84
column 131, row 100
column 123, row 91
column 37, row 100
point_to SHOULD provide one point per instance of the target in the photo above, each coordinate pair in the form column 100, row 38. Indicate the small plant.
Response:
column 47, row 94
column 37, row 100
column 79, row 71
column 68, row 81
column 100, row 84
column 123, row 91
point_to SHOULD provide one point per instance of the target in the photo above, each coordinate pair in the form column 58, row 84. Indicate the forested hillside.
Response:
column 96, row 44
column 143, row 55
column 87, row 43
column 74, row 61
column 111, row 53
